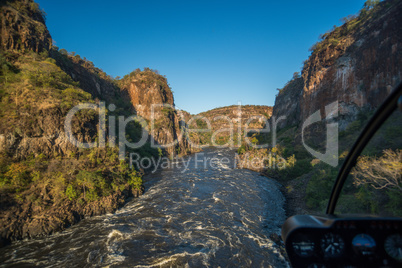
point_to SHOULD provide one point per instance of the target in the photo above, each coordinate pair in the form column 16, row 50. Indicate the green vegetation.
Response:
column 319, row 187
column 146, row 78
column 86, row 177
column 27, row 9
column 379, row 182
column 224, row 124
column 67, row 60
column 123, row 105
column 33, row 86
column 285, row 166
column 375, row 169
column 339, row 35
column 35, row 95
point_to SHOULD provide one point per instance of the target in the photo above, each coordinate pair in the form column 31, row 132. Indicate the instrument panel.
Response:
column 335, row 241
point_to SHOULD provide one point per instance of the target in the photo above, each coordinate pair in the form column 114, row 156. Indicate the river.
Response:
column 199, row 212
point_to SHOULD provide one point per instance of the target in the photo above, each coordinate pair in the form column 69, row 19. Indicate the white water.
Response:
column 202, row 217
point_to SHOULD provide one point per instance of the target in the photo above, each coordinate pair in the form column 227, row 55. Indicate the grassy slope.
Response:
column 34, row 99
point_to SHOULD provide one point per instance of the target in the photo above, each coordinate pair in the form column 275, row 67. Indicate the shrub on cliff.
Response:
column 351, row 24
column 17, row 176
column 135, row 180
column 73, row 178
column 71, row 192
column 145, row 79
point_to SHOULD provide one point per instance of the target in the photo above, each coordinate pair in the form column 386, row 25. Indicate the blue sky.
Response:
column 213, row 53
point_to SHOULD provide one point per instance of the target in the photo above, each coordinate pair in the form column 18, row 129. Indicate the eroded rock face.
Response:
column 143, row 96
column 358, row 68
column 153, row 100
column 286, row 111
column 42, row 132
column 22, row 26
column 360, row 71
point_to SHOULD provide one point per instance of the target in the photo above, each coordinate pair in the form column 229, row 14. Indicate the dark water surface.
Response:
column 208, row 215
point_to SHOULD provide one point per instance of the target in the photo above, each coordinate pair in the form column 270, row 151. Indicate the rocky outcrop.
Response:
column 153, row 100
column 286, row 110
column 38, row 131
column 41, row 131
column 356, row 64
column 22, row 26
column 35, row 118
column 361, row 70
column 32, row 219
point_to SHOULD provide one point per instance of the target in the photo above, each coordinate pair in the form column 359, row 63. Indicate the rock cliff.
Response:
column 287, row 103
column 91, row 79
column 38, row 124
column 34, row 106
column 153, row 100
column 46, row 182
column 22, row 26
column 356, row 64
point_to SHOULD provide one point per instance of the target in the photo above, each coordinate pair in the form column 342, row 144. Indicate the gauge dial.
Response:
column 332, row 245
column 364, row 244
column 393, row 246
column 303, row 246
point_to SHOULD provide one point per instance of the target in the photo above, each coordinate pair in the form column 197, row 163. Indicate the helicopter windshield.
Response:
column 374, row 185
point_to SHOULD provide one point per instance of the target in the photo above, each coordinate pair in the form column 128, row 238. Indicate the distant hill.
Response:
column 221, row 120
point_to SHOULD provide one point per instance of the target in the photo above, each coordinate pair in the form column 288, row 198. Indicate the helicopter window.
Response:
column 374, row 185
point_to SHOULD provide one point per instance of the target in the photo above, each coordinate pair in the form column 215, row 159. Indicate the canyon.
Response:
column 47, row 183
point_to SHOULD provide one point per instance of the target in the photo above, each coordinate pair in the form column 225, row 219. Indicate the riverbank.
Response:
column 65, row 196
column 294, row 192
column 33, row 219
column 206, row 213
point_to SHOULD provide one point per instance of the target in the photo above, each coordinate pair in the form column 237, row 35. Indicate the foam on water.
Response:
column 203, row 217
